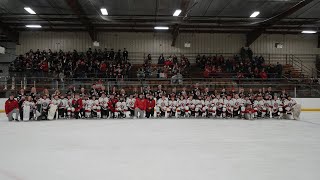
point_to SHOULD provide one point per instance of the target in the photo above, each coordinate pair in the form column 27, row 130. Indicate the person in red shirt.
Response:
column 12, row 106
column 140, row 107
column 112, row 105
column 78, row 106
column 151, row 103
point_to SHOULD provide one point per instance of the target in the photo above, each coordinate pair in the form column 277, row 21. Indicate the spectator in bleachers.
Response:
column 161, row 59
column 92, row 63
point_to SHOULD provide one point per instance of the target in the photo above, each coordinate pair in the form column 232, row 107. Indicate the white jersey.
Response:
column 276, row 104
column 103, row 101
column 162, row 103
column 199, row 102
column 45, row 103
column 290, row 103
column 208, row 103
column 267, row 103
column 121, row 106
column 182, row 103
column 173, row 103
column 238, row 102
column 89, row 103
column 63, row 103
column 55, row 101
column 228, row 103
column 258, row 104
column 191, row 102
column 130, row 103
column 69, row 102
column 247, row 102
column 28, row 103
column 95, row 102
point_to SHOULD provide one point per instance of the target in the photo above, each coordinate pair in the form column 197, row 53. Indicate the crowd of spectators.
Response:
column 170, row 67
column 90, row 64
column 243, row 66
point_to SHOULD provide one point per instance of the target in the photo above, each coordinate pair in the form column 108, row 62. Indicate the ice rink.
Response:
column 165, row 149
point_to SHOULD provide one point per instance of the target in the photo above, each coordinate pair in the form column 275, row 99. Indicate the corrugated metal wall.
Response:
column 292, row 44
column 134, row 42
column 161, row 42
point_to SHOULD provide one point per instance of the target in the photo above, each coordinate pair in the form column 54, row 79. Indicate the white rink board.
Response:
column 161, row 149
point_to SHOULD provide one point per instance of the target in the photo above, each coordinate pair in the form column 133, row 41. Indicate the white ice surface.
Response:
column 161, row 149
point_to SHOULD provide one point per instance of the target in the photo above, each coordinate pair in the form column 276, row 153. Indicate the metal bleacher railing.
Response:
column 298, row 88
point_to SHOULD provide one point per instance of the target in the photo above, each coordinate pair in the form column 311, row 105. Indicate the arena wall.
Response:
column 161, row 42
column 308, row 104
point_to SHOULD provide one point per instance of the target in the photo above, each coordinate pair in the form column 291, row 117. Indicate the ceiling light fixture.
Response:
column 309, row 32
column 255, row 14
column 33, row 26
column 177, row 12
column 104, row 11
column 29, row 10
column 161, row 27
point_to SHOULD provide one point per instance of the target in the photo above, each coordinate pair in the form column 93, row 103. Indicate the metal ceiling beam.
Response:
column 175, row 32
column 11, row 35
column 255, row 34
column 78, row 10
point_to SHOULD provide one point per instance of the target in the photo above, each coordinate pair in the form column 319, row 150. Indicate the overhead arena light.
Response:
column 177, row 12
column 309, row 32
column 33, row 26
column 161, row 27
column 104, row 11
column 29, row 10
column 255, row 14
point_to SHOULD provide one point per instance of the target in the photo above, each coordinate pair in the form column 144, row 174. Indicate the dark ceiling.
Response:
column 143, row 15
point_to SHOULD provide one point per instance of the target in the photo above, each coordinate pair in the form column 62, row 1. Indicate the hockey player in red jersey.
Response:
column 112, row 105
column 78, row 106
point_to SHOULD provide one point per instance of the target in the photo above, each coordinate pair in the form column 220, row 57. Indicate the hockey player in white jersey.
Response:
column 172, row 105
column 121, row 109
column 238, row 108
column 277, row 107
column 28, row 107
column 62, row 108
column 267, row 106
column 258, row 107
column 70, row 108
column 190, row 107
column 45, row 102
column 130, row 104
column 207, row 107
column 289, row 105
column 181, row 105
column 103, row 101
column 162, row 106
column 53, row 108
column 199, row 103
column 88, row 107
column 96, row 109
column 227, row 109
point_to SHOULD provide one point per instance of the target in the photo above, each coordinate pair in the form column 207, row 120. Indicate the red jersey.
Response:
column 141, row 104
column 111, row 104
column 11, row 105
column 77, row 104
column 150, row 104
